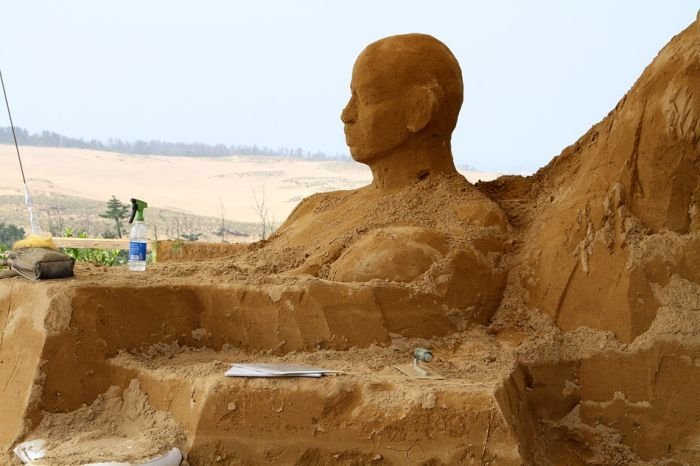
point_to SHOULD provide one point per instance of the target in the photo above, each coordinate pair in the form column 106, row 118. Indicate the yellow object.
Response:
column 35, row 241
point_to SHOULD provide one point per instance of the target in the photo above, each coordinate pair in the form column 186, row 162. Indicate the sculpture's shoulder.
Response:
column 317, row 206
column 467, row 205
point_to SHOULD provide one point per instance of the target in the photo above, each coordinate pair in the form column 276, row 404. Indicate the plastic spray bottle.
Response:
column 138, row 238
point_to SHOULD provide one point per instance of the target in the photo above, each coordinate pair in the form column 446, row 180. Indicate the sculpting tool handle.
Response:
column 419, row 370
column 12, row 126
column 27, row 197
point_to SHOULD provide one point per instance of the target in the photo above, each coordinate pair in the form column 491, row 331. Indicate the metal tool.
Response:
column 421, row 355
column 416, row 370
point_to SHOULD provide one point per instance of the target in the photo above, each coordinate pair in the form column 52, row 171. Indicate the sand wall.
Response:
column 23, row 324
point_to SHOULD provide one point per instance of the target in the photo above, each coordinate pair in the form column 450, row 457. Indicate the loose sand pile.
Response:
column 118, row 426
column 563, row 309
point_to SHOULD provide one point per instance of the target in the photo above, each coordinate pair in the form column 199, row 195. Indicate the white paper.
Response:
column 30, row 450
column 241, row 372
column 276, row 370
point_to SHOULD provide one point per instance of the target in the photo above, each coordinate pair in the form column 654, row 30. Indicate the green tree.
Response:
column 9, row 234
column 116, row 211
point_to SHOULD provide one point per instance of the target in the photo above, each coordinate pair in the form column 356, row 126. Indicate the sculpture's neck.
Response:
column 407, row 165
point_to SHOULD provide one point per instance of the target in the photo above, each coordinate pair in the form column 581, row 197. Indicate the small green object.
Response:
column 137, row 206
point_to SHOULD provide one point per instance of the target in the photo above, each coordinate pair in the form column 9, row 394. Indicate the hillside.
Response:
column 76, row 183
column 56, row 212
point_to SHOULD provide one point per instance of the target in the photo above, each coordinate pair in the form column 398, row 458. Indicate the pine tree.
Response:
column 116, row 211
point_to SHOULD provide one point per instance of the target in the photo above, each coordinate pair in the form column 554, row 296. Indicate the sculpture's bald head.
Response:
column 405, row 88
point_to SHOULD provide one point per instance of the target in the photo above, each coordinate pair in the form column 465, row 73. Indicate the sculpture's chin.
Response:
column 358, row 155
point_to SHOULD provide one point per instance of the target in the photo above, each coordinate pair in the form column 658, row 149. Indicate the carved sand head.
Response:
column 406, row 95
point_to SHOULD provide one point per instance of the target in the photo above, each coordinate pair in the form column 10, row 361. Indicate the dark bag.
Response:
column 37, row 264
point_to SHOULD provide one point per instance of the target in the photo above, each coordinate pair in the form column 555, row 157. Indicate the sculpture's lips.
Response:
column 348, row 136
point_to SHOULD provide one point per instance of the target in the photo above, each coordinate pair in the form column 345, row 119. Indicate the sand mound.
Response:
column 633, row 178
column 563, row 309
column 608, row 236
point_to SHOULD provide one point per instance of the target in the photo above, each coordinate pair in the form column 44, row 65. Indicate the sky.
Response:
column 537, row 74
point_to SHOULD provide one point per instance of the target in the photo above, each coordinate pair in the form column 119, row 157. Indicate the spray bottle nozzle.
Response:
column 137, row 206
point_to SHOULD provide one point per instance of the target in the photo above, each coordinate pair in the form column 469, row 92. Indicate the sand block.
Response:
column 93, row 322
column 611, row 406
column 52, row 329
column 366, row 415
column 23, row 330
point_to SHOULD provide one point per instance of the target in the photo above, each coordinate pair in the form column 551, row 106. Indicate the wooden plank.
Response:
column 94, row 243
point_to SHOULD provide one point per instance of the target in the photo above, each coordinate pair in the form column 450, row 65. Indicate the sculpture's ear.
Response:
column 423, row 101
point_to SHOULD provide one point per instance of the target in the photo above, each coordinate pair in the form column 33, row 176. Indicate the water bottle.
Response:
column 138, row 238
column 137, row 247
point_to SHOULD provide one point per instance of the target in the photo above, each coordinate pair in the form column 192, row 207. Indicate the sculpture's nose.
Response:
column 349, row 114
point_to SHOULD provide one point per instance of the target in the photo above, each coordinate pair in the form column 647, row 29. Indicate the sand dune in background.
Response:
column 194, row 184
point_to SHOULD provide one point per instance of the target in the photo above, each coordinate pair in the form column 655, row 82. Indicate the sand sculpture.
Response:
column 406, row 95
column 562, row 307
column 420, row 231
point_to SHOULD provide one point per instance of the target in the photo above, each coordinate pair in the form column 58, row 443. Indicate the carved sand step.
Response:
column 370, row 413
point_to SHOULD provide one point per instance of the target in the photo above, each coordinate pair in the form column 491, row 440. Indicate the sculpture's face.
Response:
column 402, row 86
column 375, row 116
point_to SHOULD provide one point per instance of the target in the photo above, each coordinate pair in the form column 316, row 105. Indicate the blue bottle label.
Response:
column 137, row 251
